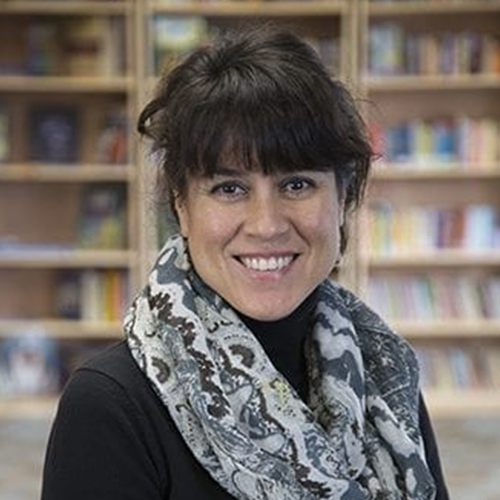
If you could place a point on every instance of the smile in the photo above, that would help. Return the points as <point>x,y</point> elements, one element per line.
<point>266,264</point>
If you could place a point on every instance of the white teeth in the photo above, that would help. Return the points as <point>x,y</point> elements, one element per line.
<point>261,264</point>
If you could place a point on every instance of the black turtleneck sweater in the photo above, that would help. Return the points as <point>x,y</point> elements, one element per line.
<point>113,439</point>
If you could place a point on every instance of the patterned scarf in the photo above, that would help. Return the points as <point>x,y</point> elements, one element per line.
<point>358,437</point>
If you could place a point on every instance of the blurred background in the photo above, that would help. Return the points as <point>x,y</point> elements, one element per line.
<point>80,225</point>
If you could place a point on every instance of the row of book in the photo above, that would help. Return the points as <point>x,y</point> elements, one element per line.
<point>424,297</point>
<point>84,45</point>
<point>174,37</point>
<point>425,143</point>
<point>92,295</point>
<point>34,364</point>
<point>423,229</point>
<point>466,367</point>
<point>393,50</point>
<point>55,135</point>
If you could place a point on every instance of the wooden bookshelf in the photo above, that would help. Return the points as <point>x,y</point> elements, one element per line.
<point>398,97</point>
<point>42,200</point>
<point>405,98</point>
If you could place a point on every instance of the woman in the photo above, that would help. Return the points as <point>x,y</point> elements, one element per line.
<point>247,373</point>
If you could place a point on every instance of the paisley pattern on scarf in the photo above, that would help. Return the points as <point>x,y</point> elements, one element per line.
<point>356,439</point>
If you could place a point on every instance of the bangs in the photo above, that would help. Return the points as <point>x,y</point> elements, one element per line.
<point>270,133</point>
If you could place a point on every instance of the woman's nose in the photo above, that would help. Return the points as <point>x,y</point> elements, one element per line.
<point>266,217</point>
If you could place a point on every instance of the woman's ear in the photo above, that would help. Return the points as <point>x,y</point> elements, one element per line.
<point>182,215</point>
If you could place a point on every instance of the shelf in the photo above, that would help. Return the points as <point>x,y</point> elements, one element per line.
<point>412,83</point>
<point>432,7</point>
<point>28,408</point>
<point>463,403</point>
<point>443,329</point>
<point>66,84</point>
<point>63,329</point>
<point>443,258</point>
<point>251,8</point>
<point>64,8</point>
<point>55,259</point>
<point>449,172</point>
<point>34,172</point>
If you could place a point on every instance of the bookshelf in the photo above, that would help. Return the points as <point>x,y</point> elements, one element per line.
<point>427,68</point>
<point>68,188</point>
<point>39,258</point>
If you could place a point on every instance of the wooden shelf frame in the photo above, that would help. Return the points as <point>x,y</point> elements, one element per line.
<point>67,84</point>
<point>67,259</point>
<point>430,7</point>
<point>442,259</point>
<point>34,172</point>
<point>63,329</point>
<point>250,8</point>
<point>447,172</point>
<point>461,403</point>
<point>59,8</point>
<point>438,82</point>
<point>463,328</point>
<point>24,408</point>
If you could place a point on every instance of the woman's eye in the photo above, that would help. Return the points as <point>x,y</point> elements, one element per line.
<point>228,190</point>
<point>298,185</point>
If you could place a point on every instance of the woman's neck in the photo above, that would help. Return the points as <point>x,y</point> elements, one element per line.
<point>283,341</point>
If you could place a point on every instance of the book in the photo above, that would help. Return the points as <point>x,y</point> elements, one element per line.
<point>68,295</point>
<point>103,217</point>
<point>111,145</point>
<point>94,46</point>
<point>4,135</point>
<point>54,135</point>
<point>175,37</point>
<point>29,365</point>
<point>43,56</point>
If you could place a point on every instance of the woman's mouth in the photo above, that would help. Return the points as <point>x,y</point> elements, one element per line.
<point>269,264</point>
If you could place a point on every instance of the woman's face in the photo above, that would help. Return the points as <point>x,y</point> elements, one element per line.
<point>263,243</point>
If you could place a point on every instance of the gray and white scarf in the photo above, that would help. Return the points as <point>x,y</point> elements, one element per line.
<point>358,437</point>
